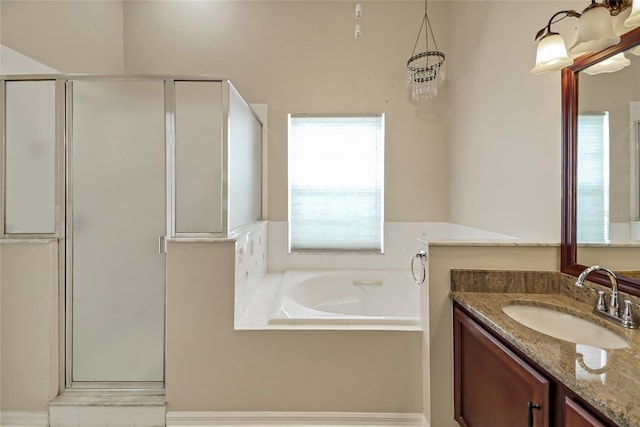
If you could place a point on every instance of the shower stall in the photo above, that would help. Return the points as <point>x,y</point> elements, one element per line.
<point>112,167</point>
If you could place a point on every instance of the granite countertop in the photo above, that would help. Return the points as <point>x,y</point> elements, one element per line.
<point>605,378</point>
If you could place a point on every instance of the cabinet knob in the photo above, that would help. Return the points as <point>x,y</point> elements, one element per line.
<point>530,407</point>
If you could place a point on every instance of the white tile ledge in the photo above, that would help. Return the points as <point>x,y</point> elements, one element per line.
<point>214,238</point>
<point>109,398</point>
<point>206,419</point>
<point>19,241</point>
<point>492,243</point>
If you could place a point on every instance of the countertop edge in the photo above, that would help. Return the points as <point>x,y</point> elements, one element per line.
<point>602,403</point>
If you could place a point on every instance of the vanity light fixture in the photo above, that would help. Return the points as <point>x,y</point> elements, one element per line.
<point>595,32</point>
<point>634,17</point>
<point>552,53</point>
<point>609,65</point>
<point>425,70</point>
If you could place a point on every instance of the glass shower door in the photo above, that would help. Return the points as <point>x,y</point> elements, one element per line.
<point>117,214</point>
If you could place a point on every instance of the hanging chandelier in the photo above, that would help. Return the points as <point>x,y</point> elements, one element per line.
<point>425,70</point>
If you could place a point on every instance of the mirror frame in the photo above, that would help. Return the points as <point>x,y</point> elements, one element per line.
<point>568,242</point>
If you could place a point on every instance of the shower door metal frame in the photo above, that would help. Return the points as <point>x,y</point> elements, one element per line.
<point>64,202</point>
<point>66,262</point>
<point>171,139</point>
<point>69,383</point>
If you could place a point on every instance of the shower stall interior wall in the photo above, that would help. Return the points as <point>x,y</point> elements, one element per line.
<point>112,167</point>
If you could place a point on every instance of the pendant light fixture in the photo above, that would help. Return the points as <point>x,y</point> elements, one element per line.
<point>425,70</point>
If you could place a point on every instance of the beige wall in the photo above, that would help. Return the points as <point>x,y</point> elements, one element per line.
<point>301,57</point>
<point>439,390</point>
<point>211,367</point>
<point>28,326</point>
<point>69,36</point>
<point>490,159</point>
<point>504,136</point>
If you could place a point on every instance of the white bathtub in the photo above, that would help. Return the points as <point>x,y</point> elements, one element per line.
<point>369,299</point>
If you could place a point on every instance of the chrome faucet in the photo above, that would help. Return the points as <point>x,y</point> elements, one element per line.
<point>613,302</point>
<point>613,311</point>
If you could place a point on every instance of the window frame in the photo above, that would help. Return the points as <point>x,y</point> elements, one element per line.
<point>380,168</point>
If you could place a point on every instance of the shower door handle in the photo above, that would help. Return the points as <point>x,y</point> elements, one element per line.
<point>162,244</point>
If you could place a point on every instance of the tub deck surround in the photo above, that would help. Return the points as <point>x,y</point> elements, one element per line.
<point>363,299</point>
<point>605,378</point>
<point>264,310</point>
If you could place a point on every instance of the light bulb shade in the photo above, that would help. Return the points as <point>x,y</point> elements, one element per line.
<point>551,54</point>
<point>635,50</point>
<point>595,31</point>
<point>609,65</point>
<point>619,22</point>
<point>634,18</point>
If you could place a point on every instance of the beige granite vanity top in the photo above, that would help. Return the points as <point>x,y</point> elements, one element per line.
<point>607,379</point>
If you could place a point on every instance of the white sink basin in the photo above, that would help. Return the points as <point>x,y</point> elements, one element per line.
<point>564,326</point>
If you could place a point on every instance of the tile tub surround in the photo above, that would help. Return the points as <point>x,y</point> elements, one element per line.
<point>613,390</point>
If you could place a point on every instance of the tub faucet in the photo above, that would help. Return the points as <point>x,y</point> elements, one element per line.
<point>613,311</point>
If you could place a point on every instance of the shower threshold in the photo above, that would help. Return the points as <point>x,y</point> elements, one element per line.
<point>139,408</point>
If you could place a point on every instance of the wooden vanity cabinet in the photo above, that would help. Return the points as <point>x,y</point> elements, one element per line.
<point>576,416</point>
<point>496,386</point>
<point>493,386</point>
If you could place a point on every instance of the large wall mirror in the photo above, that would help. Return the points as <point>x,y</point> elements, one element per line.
<point>601,164</point>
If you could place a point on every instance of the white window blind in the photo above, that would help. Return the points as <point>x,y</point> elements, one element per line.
<point>336,182</point>
<point>593,178</point>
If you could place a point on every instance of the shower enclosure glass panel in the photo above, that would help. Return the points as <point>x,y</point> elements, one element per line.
<point>198,157</point>
<point>245,163</point>
<point>30,149</point>
<point>117,175</point>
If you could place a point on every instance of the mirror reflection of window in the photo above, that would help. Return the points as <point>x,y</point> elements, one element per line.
<point>593,177</point>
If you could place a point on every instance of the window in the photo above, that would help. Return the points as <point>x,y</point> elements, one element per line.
<point>336,182</point>
<point>593,177</point>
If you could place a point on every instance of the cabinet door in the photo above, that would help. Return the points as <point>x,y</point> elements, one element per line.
<point>576,416</point>
<point>493,386</point>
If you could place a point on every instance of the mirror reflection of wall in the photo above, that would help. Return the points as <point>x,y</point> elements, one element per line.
<point>608,156</point>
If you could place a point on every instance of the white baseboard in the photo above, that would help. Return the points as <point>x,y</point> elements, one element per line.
<point>23,419</point>
<point>208,419</point>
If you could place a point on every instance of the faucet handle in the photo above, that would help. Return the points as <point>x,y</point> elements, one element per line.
<point>600,305</point>
<point>613,303</point>
<point>627,314</point>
